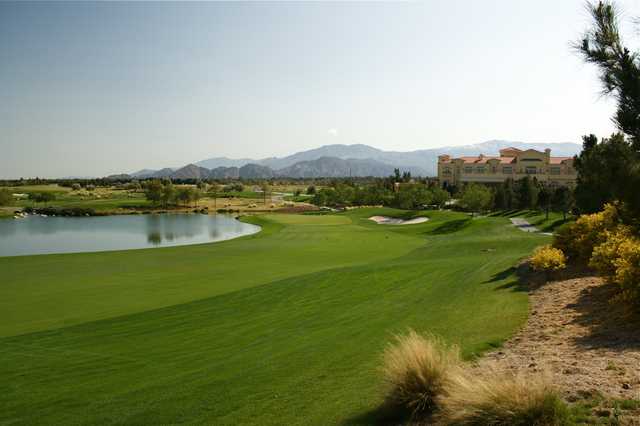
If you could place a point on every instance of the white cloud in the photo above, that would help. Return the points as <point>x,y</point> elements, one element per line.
<point>333,132</point>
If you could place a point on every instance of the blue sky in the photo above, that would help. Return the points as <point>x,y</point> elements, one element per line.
<point>99,88</point>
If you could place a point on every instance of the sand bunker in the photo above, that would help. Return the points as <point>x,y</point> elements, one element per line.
<point>384,220</point>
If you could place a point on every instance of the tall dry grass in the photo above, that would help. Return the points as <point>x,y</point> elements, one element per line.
<point>417,372</point>
<point>492,397</point>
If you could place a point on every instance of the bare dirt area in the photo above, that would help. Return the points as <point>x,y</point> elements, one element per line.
<point>586,343</point>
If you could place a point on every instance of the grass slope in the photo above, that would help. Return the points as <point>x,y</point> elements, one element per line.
<point>284,327</point>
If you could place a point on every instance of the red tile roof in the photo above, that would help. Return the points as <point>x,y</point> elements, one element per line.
<point>485,159</point>
<point>503,160</point>
<point>558,160</point>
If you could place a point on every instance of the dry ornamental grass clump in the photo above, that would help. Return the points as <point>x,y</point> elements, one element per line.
<point>426,380</point>
<point>417,371</point>
<point>492,397</point>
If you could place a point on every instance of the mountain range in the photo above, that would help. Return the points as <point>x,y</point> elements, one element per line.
<point>343,160</point>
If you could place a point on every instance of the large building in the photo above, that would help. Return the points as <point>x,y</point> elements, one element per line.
<point>512,163</point>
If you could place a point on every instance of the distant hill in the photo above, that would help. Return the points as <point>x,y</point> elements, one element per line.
<point>225,173</point>
<point>256,171</point>
<point>356,160</point>
<point>213,163</point>
<point>336,167</point>
<point>191,171</point>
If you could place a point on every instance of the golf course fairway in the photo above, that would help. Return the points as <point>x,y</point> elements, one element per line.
<point>286,326</point>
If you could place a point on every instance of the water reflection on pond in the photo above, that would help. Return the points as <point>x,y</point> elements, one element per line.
<point>39,235</point>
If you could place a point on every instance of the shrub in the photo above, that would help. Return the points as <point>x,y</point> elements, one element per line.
<point>417,371</point>
<point>6,198</point>
<point>577,240</point>
<point>627,273</point>
<point>42,197</point>
<point>604,255</point>
<point>617,259</point>
<point>547,258</point>
<point>503,399</point>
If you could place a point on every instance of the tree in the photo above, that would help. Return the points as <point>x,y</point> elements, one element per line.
<point>76,187</point>
<point>168,194</point>
<point>196,195</point>
<point>265,191</point>
<point>527,193</point>
<point>606,172</point>
<point>440,196</point>
<point>311,190</point>
<point>6,198</point>
<point>153,193</point>
<point>184,195</point>
<point>620,76</point>
<point>476,197</point>
<point>562,200</point>
<point>214,189</point>
<point>544,200</point>
<point>619,67</point>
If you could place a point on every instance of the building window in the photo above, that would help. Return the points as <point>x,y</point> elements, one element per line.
<point>531,170</point>
<point>480,169</point>
<point>530,159</point>
<point>468,169</point>
<point>554,170</point>
<point>507,169</point>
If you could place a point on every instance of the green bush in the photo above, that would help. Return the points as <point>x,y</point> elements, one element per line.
<point>6,198</point>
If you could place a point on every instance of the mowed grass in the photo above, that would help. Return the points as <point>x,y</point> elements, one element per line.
<point>283,327</point>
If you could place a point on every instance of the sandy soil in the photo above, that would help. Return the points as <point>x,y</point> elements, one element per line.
<point>384,220</point>
<point>589,344</point>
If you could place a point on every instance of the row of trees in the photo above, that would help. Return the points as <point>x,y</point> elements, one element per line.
<point>407,196</point>
<point>166,194</point>
<point>525,193</point>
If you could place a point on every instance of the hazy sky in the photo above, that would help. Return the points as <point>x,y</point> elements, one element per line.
<point>99,88</point>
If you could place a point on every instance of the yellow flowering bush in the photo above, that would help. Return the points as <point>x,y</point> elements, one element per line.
<point>606,253</point>
<point>547,258</point>
<point>599,239</point>
<point>627,273</point>
<point>577,240</point>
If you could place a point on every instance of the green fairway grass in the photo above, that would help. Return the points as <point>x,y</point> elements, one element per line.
<point>282,327</point>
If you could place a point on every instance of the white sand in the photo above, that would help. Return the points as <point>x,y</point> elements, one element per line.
<point>384,220</point>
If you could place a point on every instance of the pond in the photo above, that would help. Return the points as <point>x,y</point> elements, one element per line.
<point>35,234</point>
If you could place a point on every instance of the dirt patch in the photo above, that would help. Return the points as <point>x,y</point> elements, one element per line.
<point>588,344</point>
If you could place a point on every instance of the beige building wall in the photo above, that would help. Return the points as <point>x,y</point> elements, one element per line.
<point>512,163</point>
